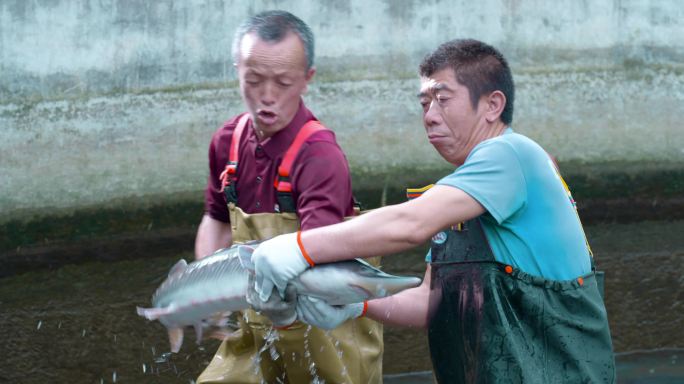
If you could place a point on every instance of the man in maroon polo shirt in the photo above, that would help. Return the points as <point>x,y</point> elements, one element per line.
<point>273,53</point>
<point>320,178</point>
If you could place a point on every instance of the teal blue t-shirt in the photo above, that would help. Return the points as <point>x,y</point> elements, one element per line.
<point>531,222</point>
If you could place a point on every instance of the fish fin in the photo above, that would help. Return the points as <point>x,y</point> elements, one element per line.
<point>365,293</point>
<point>198,331</point>
<point>220,319</point>
<point>223,334</point>
<point>175,339</point>
<point>178,267</point>
<point>153,313</point>
<point>245,256</point>
<point>219,326</point>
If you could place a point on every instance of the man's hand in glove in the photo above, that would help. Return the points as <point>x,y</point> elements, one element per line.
<point>320,314</point>
<point>282,312</point>
<point>276,262</point>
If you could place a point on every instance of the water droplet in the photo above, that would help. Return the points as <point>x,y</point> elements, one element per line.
<point>144,368</point>
<point>40,323</point>
<point>114,377</point>
<point>274,354</point>
<point>83,333</point>
<point>163,358</point>
<point>59,326</point>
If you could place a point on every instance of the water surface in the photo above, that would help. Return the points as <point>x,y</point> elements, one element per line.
<point>77,324</point>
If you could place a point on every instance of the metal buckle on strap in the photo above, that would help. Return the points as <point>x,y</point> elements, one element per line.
<point>284,186</point>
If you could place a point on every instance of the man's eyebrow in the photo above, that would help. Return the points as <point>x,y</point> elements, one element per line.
<point>441,87</point>
<point>433,89</point>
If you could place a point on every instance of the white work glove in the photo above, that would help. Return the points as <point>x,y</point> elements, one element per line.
<point>282,313</point>
<point>276,262</point>
<point>320,314</point>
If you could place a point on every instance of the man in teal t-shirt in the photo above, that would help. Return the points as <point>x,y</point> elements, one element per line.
<point>509,294</point>
<point>531,223</point>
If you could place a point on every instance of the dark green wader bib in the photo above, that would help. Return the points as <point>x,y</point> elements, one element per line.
<point>496,324</point>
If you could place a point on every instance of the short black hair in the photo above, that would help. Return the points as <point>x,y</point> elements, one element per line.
<point>477,66</point>
<point>273,26</point>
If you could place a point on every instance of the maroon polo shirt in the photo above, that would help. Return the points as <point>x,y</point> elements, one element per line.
<point>321,184</point>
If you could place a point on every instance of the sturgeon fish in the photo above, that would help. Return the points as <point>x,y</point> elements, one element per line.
<point>193,294</point>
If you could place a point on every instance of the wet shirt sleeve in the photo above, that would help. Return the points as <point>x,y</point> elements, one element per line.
<point>492,175</point>
<point>322,183</point>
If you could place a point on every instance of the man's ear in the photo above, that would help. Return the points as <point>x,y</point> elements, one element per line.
<point>496,102</point>
<point>309,76</point>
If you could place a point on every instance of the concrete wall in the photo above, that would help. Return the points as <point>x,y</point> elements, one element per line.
<point>105,101</point>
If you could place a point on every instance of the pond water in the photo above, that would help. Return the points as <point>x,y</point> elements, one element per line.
<point>77,323</point>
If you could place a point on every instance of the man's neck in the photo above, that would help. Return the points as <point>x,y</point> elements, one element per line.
<point>496,129</point>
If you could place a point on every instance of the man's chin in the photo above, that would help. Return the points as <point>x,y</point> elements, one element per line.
<point>266,131</point>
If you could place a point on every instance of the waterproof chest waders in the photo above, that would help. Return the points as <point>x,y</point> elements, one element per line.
<point>351,353</point>
<point>497,324</point>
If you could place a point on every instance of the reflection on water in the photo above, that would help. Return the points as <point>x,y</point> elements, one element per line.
<point>643,367</point>
<point>77,324</point>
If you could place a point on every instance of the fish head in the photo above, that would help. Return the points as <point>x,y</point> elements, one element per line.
<point>377,282</point>
<point>351,281</point>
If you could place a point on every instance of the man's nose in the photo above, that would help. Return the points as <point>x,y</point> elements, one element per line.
<point>268,94</point>
<point>432,115</point>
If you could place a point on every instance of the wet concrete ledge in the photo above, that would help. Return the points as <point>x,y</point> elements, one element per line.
<point>138,227</point>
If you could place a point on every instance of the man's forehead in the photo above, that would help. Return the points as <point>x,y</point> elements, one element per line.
<point>289,44</point>
<point>286,55</point>
<point>430,84</point>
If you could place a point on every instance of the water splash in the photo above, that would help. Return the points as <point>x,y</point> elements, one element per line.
<point>307,354</point>
<point>339,350</point>
<point>274,354</point>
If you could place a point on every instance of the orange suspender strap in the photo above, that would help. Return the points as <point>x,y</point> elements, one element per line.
<point>282,181</point>
<point>237,134</point>
<point>233,154</point>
